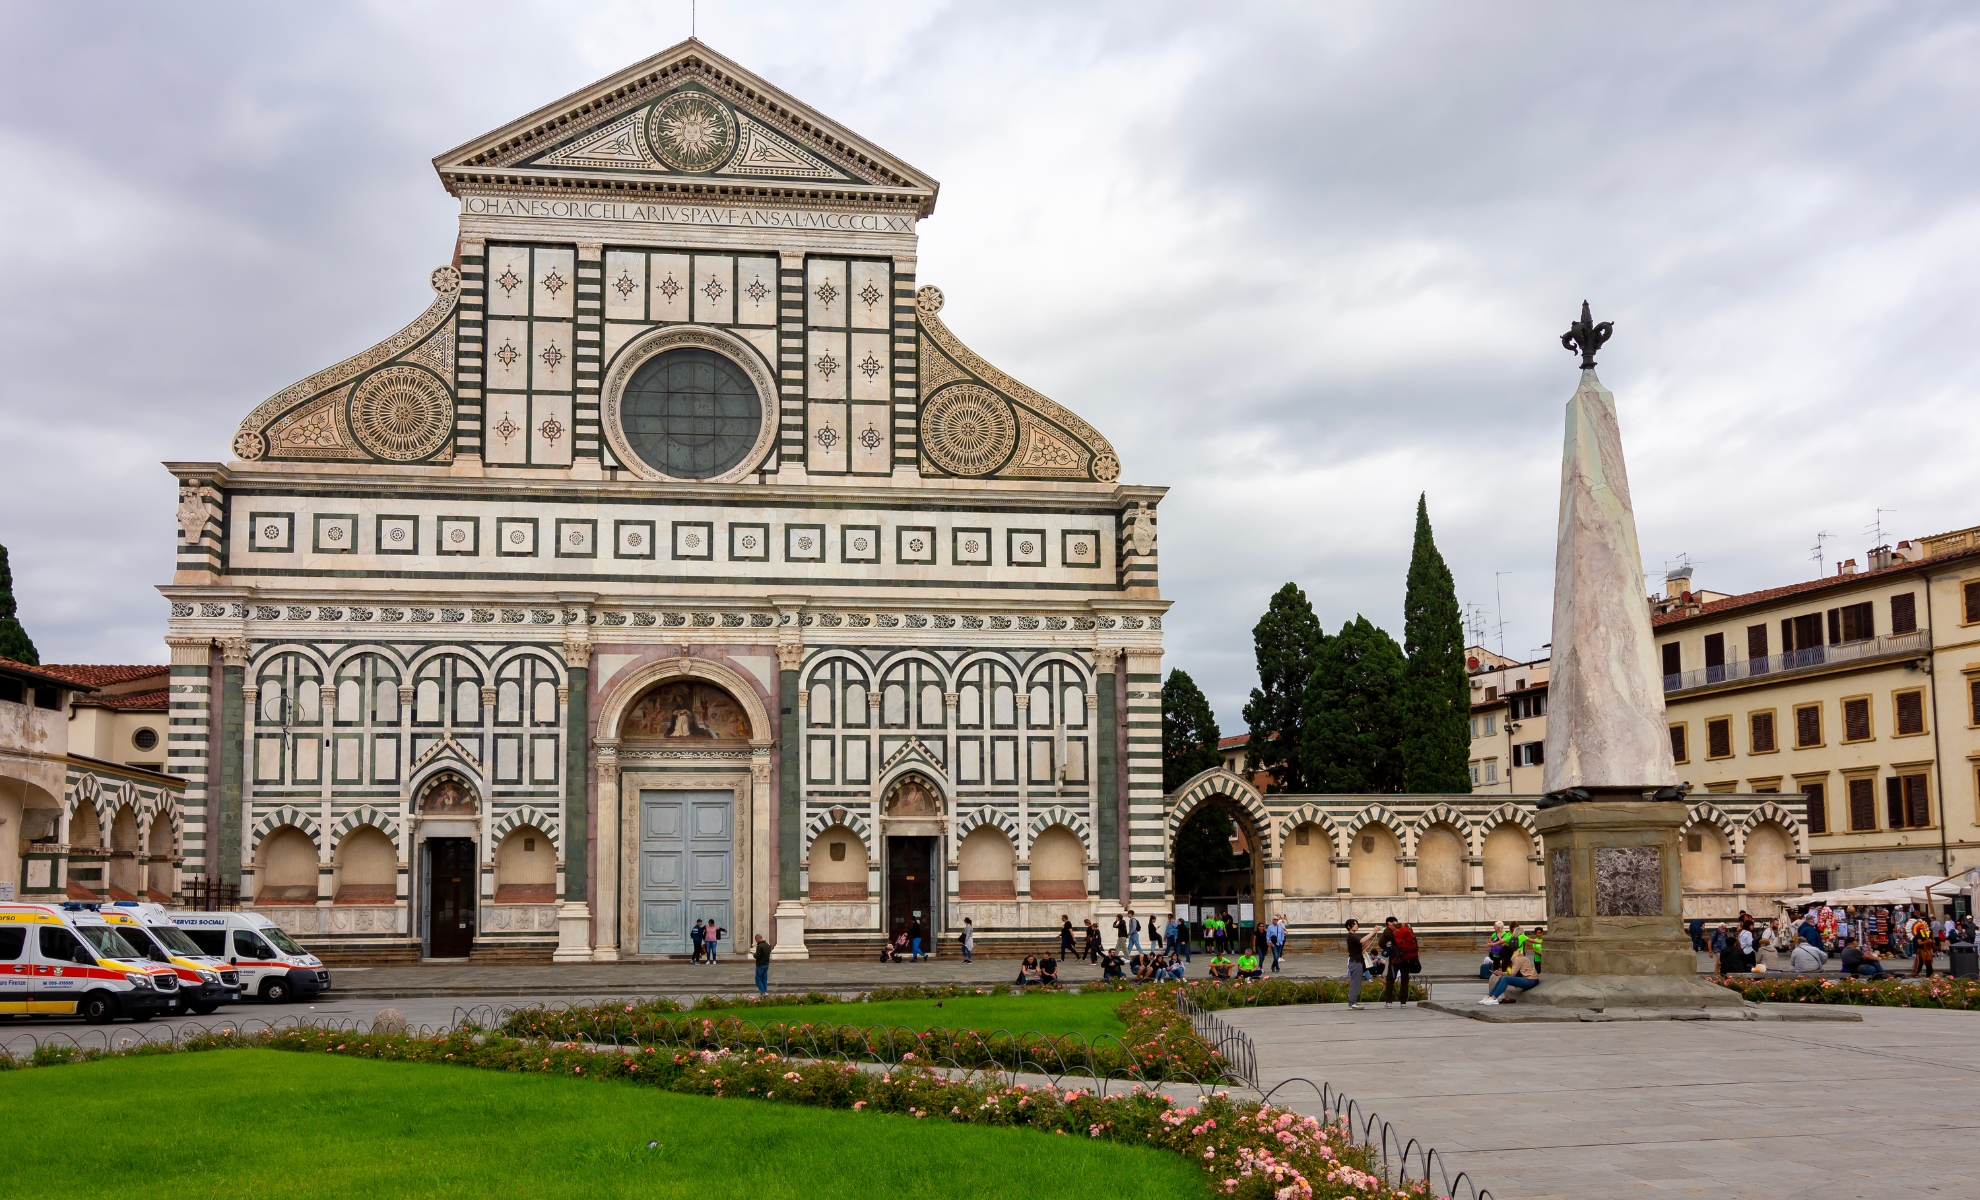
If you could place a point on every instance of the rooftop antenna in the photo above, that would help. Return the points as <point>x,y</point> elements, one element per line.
<point>694,17</point>
<point>1499,599</point>
<point>1876,530</point>
<point>1821,568</point>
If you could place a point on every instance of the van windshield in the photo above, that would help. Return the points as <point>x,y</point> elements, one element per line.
<point>283,941</point>
<point>107,942</point>
<point>172,939</point>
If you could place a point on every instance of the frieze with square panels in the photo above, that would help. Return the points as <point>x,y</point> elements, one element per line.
<point>609,615</point>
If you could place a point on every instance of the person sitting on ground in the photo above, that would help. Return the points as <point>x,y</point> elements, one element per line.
<point>1150,966</point>
<point>1247,966</point>
<point>1028,970</point>
<point>1048,972</point>
<point>1220,967</point>
<point>1856,962</point>
<point>1519,973</point>
<point>1110,965</point>
<point>1174,970</point>
<point>1731,962</point>
<point>1807,958</point>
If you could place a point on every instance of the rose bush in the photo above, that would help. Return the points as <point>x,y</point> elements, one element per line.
<point>1936,991</point>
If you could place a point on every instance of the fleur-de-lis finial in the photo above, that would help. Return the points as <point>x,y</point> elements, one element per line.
<point>1586,337</point>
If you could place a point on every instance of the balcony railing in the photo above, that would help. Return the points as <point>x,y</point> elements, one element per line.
<point>1892,646</point>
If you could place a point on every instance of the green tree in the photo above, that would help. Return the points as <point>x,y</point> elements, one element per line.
<point>1189,731</point>
<point>1203,853</point>
<point>1436,692</point>
<point>1287,639</point>
<point>14,641</point>
<point>1352,730</point>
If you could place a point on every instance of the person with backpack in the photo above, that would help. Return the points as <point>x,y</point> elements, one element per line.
<point>1134,932</point>
<point>1399,941</point>
<point>968,940</point>
<point>694,940</point>
<point>1120,934</point>
<point>1357,956</point>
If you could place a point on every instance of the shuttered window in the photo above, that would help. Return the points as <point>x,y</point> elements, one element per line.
<point>1761,727</point>
<point>1671,661</point>
<point>1856,720</point>
<point>1894,802</point>
<point>1679,753</point>
<point>1818,808</point>
<point>1858,622</point>
<point>1862,804</point>
<point>1808,725</point>
<point>1756,649</point>
<point>1973,694</point>
<point>1904,613</point>
<point>1917,802</point>
<point>1972,593</point>
<point>1719,738</point>
<point>1910,712</point>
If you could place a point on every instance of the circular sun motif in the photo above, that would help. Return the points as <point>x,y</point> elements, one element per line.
<point>398,533</point>
<point>401,414</point>
<point>577,537</point>
<point>516,537</point>
<point>634,540</point>
<point>859,544</point>
<point>459,535</point>
<point>335,533</point>
<point>271,532</point>
<point>692,131</point>
<point>693,541</point>
<point>1026,547</point>
<point>968,430</point>
<point>917,545</point>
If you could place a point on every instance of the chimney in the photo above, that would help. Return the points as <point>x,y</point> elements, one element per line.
<point>1846,567</point>
<point>1879,558</point>
<point>1677,583</point>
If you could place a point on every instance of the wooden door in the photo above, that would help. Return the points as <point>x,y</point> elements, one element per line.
<point>451,877</point>
<point>911,888</point>
<point>686,867</point>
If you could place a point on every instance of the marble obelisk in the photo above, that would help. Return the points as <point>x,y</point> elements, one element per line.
<point>1610,822</point>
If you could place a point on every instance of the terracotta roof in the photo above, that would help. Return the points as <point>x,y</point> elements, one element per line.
<point>41,675</point>
<point>1231,743</point>
<point>157,701</point>
<point>104,675</point>
<point>1806,587</point>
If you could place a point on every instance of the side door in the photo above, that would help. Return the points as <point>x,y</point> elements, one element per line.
<point>256,957</point>
<point>15,969</point>
<point>62,972</point>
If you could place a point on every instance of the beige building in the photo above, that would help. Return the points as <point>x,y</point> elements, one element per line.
<point>1508,722</point>
<point>1860,690</point>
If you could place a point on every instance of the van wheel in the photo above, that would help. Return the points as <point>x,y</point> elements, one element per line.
<point>98,1008</point>
<point>203,1009</point>
<point>275,991</point>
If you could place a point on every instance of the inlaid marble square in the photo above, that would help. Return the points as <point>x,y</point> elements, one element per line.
<point>515,537</point>
<point>871,302</point>
<point>459,535</point>
<point>694,540</point>
<point>1560,883</point>
<point>972,548</point>
<point>334,533</point>
<point>1079,547</point>
<point>914,544</point>
<point>1024,547</point>
<point>1629,881</point>
<point>804,543</point>
<point>577,538</point>
<point>271,533</point>
<point>756,291</point>
<point>859,543</point>
<point>397,534</point>
<point>749,542</point>
<point>633,539</point>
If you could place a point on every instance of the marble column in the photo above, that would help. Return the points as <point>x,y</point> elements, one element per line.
<point>605,873</point>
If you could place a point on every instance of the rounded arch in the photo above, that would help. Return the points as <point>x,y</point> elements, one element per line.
<point>821,821</point>
<point>287,814</point>
<point>347,654</point>
<point>1052,658</point>
<point>1377,814</point>
<point>1510,857</point>
<point>428,655</point>
<point>1710,814</point>
<point>988,814</point>
<point>653,343</point>
<point>1310,814</point>
<point>1220,783</point>
<point>542,820</point>
<point>1073,819</point>
<point>286,858</point>
<point>896,788</point>
<point>268,652</point>
<point>1442,814</point>
<point>911,759</point>
<point>448,793</point>
<point>364,866</point>
<point>641,679</point>
<point>1786,819</point>
<point>385,820</point>
<point>1508,812</point>
<point>524,872</point>
<point>1056,856</point>
<point>813,667</point>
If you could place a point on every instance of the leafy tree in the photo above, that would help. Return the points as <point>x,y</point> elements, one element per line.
<point>1189,731</point>
<point>1352,737</point>
<point>1287,639</point>
<point>1436,692</point>
<point>14,641</point>
<point>1203,852</point>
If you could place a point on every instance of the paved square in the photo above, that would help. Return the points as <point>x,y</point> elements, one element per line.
<point>1757,1110</point>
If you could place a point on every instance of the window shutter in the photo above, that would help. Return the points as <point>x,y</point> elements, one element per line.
<point>1808,726</point>
<point>1762,732</point>
<point>1911,712</point>
<point>1756,648</point>
<point>1862,804</point>
<point>1677,732</point>
<point>1715,650</point>
<point>1835,626</point>
<point>1671,661</point>
<point>1973,601</point>
<point>1904,613</point>
<point>1894,802</point>
<point>1973,690</point>
<point>1917,802</point>
<point>1718,739</point>
<point>1818,808</point>
<point>1856,720</point>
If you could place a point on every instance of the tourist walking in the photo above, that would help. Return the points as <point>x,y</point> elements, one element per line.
<point>762,952</point>
<point>914,941</point>
<point>1134,932</point>
<point>1357,960</point>
<point>1169,932</point>
<point>694,940</point>
<point>1092,941</point>
<point>1925,944</point>
<point>1275,937</point>
<point>1120,933</point>
<point>1065,936</point>
<point>1399,941</point>
<point>1183,937</point>
<point>968,940</point>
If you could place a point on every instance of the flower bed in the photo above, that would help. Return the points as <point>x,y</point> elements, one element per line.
<point>1158,1045</point>
<point>1250,1151</point>
<point>1211,995</point>
<point>1936,991</point>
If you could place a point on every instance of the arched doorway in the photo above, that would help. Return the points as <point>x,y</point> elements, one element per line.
<point>448,811</point>
<point>1217,862</point>
<point>911,814</point>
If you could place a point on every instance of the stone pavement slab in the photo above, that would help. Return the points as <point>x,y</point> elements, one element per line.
<point>1747,1109</point>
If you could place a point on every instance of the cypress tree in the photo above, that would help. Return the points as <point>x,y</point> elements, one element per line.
<point>1189,731</point>
<point>14,641</point>
<point>1286,638</point>
<point>1352,739</point>
<point>1436,692</point>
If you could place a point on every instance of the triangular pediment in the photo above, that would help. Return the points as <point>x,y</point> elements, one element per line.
<point>684,117</point>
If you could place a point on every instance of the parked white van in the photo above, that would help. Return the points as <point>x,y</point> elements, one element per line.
<point>205,982</point>
<point>271,964</point>
<point>59,960</point>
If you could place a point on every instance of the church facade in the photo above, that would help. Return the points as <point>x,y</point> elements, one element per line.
<point>678,563</point>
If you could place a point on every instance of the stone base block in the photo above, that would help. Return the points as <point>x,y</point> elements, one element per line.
<point>790,933</point>
<point>1603,992</point>
<point>573,932</point>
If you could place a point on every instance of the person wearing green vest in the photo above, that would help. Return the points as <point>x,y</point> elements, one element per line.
<point>1533,945</point>
<point>1248,966</point>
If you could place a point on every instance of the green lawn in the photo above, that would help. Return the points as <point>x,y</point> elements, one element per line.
<point>1090,1013</point>
<point>265,1122</point>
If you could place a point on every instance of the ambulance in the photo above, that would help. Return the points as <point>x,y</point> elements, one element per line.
<point>63,960</point>
<point>204,981</point>
<point>271,964</point>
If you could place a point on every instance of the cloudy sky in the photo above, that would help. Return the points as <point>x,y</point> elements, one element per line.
<point>1300,262</point>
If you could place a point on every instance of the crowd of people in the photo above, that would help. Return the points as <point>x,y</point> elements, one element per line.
<point>1162,949</point>
<point>1861,940</point>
